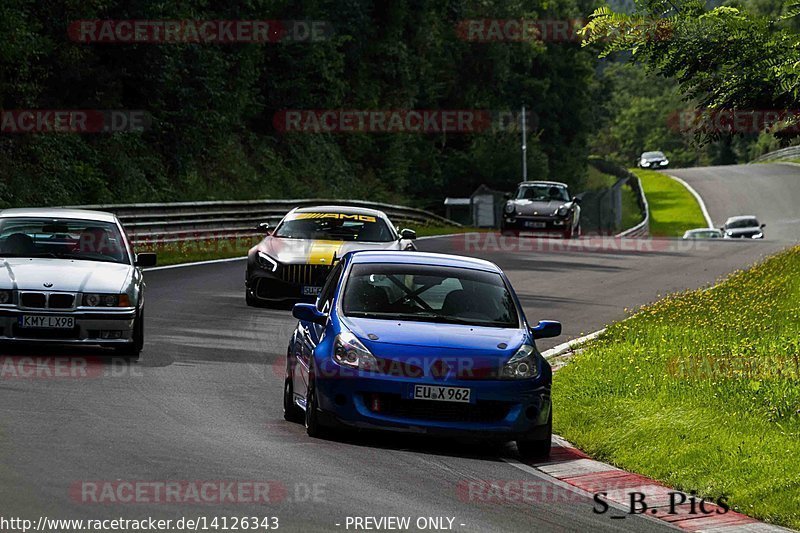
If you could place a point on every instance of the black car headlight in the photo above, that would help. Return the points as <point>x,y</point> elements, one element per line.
<point>509,207</point>
<point>349,351</point>
<point>267,262</point>
<point>522,365</point>
<point>106,300</point>
<point>6,297</point>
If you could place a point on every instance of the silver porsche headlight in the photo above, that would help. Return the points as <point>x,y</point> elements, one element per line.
<point>267,262</point>
<point>562,211</point>
<point>522,364</point>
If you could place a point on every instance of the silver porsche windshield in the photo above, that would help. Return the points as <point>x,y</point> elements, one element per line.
<point>87,240</point>
<point>335,227</point>
<point>543,192</point>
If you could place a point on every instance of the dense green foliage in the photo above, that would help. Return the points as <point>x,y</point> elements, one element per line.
<point>700,390</point>
<point>708,59</point>
<point>212,106</point>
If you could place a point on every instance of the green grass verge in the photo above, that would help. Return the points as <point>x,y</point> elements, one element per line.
<point>597,180</point>
<point>207,250</point>
<point>673,209</point>
<point>700,390</point>
<point>204,250</point>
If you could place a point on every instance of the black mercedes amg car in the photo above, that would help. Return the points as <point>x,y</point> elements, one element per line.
<point>542,207</point>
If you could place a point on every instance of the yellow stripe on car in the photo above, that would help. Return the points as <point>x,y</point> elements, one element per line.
<point>322,252</point>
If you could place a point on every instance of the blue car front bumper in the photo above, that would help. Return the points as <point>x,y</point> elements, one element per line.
<point>498,408</point>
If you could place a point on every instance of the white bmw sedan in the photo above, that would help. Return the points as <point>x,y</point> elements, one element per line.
<point>69,276</point>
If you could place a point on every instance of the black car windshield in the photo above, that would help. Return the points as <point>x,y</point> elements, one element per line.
<point>88,240</point>
<point>335,227</point>
<point>429,294</point>
<point>543,192</point>
<point>743,223</point>
<point>653,155</point>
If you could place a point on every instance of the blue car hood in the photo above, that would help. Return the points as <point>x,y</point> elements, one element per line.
<point>424,344</point>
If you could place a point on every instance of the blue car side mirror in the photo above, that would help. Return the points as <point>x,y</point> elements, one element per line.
<point>546,329</point>
<point>309,313</point>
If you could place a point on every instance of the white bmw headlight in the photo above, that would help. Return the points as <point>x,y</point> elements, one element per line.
<point>522,364</point>
<point>349,351</point>
<point>665,162</point>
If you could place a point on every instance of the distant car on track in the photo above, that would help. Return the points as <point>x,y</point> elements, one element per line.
<point>420,343</point>
<point>542,207</point>
<point>743,227</point>
<point>653,160</point>
<point>69,276</point>
<point>703,233</point>
<point>293,260</point>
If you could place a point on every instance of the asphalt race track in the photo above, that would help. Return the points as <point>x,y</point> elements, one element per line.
<point>769,191</point>
<point>204,401</point>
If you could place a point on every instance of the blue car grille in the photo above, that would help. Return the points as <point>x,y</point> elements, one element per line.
<point>481,411</point>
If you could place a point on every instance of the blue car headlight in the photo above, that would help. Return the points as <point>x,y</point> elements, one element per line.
<point>522,364</point>
<point>267,262</point>
<point>349,351</point>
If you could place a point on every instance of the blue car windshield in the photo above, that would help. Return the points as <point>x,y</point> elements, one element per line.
<point>426,293</point>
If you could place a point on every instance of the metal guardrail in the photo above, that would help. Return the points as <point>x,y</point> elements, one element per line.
<point>642,229</point>
<point>189,221</point>
<point>792,152</point>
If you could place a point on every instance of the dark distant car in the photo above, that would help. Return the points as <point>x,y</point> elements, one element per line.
<point>542,207</point>
<point>293,260</point>
<point>703,233</point>
<point>743,227</point>
<point>653,160</point>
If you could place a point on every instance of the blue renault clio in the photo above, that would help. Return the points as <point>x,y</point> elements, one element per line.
<point>420,343</point>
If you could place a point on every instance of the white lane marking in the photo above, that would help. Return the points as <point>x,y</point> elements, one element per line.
<point>697,197</point>
<point>571,345</point>
<point>196,263</point>
<point>445,235</point>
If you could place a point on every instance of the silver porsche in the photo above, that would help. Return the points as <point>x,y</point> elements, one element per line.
<point>70,276</point>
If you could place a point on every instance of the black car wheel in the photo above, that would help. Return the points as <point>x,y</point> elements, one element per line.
<point>538,448</point>
<point>291,412</point>
<point>314,428</point>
